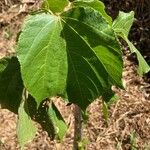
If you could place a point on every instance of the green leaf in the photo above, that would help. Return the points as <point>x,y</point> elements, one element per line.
<point>105,111</point>
<point>107,95</point>
<point>11,85</point>
<point>76,52</point>
<point>123,22</point>
<point>113,100</point>
<point>95,4</point>
<point>143,66</point>
<point>44,120</point>
<point>121,26</point>
<point>94,55</point>
<point>26,130</point>
<point>55,5</point>
<point>58,121</point>
<point>42,55</point>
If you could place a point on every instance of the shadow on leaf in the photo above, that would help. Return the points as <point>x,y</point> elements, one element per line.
<point>11,85</point>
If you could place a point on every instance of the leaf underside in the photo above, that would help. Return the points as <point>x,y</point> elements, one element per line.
<point>76,52</point>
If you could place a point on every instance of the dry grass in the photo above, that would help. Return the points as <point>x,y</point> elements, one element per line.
<point>129,121</point>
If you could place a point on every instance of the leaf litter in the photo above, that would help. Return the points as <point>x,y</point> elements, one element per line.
<point>129,119</point>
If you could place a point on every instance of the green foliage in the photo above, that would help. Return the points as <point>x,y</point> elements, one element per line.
<point>11,85</point>
<point>42,56</point>
<point>74,53</point>
<point>51,60</point>
<point>89,70</point>
<point>55,5</point>
<point>26,130</point>
<point>122,26</point>
<point>95,4</point>
<point>143,66</point>
<point>58,121</point>
<point>105,111</point>
<point>123,23</point>
<point>82,144</point>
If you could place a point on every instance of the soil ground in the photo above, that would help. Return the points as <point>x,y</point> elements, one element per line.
<point>128,125</point>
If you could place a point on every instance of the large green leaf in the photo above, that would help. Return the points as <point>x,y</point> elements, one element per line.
<point>42,55</point>
<point>55,5</point>
<point>121,26</point>
<point>77,50</point>
<point>95,4</point>
<point>94,55</point>
<point>26,130</point>
<point>11,85</point>
<point>57,120</point>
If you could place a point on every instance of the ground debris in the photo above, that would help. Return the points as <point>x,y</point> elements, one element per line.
<point>129,120</point>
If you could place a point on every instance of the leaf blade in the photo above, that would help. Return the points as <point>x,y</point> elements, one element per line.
<point>55,5</point>
<point>11,85</point>
<point>25,129</point>
<point>143,67</point>
<point>89,71</point>
<point>121,26</point>
<point>58,121</point>
<point>42,58</point>
<point>95,4</point>
<point>123,22</point>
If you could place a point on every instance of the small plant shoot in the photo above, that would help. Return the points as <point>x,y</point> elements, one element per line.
<point>71,50</point>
